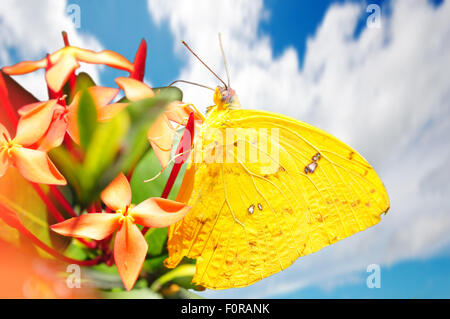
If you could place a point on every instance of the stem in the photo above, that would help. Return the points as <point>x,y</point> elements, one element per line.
<point>23,230</point>
<point>70,145</point>
<point>188,133</point>
<point>65,38</point>
<point>88,244</point>
<point>59,218</point>
<point>62,200</point>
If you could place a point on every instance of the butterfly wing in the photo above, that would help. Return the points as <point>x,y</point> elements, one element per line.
<point>251,219</point>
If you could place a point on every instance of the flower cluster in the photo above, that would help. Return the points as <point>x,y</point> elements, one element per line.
<point>107,221</point>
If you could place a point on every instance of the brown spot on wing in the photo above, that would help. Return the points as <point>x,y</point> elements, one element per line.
<point>356,203</point>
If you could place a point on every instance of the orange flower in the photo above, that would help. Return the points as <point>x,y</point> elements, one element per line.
<point>65,61</point>
<point>53,118</point>
<point>33,164</point>
<point>161,133</point>
<point>130,247</point>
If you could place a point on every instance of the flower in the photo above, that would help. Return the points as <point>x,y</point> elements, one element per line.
<point>161,133</point>
<point>130,247</point>
<point>65,61</point>
<point>53,118</point>
<point>33,164</point>
<point>102,97</point>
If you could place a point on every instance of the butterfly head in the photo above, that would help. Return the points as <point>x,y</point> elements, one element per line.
<point>226,98</point>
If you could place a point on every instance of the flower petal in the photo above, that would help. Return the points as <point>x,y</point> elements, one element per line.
<point>158,212</point>
<point>9,216</point>
<point>163,156</point>
<point>118,194</point>
<point>25,67</point>
<point>107,57</point>
<point>4,162</point>
<point>107,112</point>
<point>97,226</point>
<point>178,112</point>
<point>139,62</point>
<point>130,249</point>
<point>102,95</point>
<point>54,135</point>
<point>59,73</point>
<point>29,108</point>
<point>34,122</point>
<point>36,167</point>
<point>4,133</point>
<point>134,90</point>
<point>72,124</point>
<point>160,136</point>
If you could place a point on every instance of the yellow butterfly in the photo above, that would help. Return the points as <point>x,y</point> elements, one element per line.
<point>253,218</point>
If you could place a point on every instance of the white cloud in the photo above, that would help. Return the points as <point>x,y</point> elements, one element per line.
<point>31,29</point>
<point>386,93</point>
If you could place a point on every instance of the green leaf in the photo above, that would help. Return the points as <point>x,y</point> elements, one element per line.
<point>19,196</point>
<point>66,165</point>
<point>87,118</point>
<point>156,239</point>
<point>149,167</point>
<point>142,114</point>
<point>105,144</point>
<point>126,138</point>
<point>76,250</point>
<point>173,90</point>
<point>83,82</point>
<point>155,264</point>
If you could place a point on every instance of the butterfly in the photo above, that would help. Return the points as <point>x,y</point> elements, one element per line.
<point>253,218</point>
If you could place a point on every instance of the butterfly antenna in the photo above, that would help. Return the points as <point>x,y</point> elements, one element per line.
<point>224,59</point>
<point>192,83</point>
<point>190,50</point>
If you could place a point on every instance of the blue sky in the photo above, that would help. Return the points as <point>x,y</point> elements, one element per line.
<point>388,99</point>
